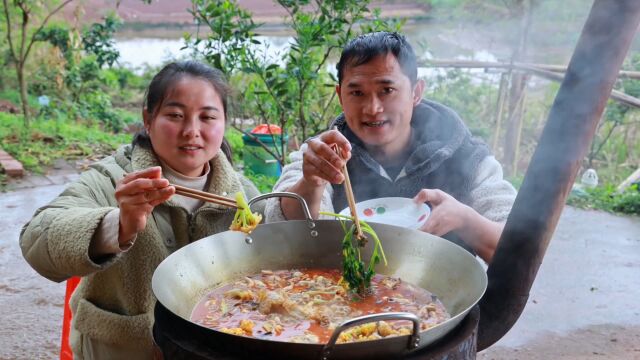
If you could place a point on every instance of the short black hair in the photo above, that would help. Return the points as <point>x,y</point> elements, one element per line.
<point>368,46</point>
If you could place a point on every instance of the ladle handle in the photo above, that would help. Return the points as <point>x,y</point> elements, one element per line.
<point>303,203</point>
<point>414,338</point>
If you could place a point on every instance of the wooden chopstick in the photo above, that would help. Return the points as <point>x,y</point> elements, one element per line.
<point>205,196</point>
<point>350,197</point>
<point>203,193</point>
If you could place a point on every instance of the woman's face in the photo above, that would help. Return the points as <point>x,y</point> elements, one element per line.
<point>187,130</point>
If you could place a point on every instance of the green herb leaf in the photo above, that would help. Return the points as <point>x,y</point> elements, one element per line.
<point>354,271</point>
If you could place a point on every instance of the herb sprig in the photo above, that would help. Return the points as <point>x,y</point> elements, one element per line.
<point>355,272</point>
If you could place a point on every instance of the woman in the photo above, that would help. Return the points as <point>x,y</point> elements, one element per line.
<point>121,219</point>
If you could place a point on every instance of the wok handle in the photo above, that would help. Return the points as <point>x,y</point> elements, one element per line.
<point>414,338</point>
<point>303,203</point>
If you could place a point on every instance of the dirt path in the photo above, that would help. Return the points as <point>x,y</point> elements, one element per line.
<point>584,304</point>
<point>175,12</point>
<point>31,306</point>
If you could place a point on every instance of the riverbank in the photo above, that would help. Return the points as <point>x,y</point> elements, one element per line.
<point>158,15</point>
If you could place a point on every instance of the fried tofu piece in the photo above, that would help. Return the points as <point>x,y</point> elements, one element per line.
<point>244,295</point>
<point>362,332</point>
<point>384,329</point>
<point>233,331</point>
<point>247,326</point>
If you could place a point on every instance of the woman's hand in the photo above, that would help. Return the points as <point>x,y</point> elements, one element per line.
<point>137,194</point>
<point>448,214</point>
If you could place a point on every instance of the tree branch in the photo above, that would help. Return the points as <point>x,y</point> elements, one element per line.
<point>8,18</point>
<point>324,58</point>
<point>269,90</point>
<point>293,20</point>
<point>266,121</point>
<point>605,139</point>
<point>255,138</point>
<point>23,36</point>
<point>326,107</point>
<point>44,22</point>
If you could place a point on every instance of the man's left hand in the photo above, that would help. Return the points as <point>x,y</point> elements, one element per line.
<point>447,213</point>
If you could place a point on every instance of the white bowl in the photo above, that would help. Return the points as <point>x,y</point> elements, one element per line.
<point>396,211</point>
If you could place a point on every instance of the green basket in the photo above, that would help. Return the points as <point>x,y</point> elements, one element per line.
<point>257,159</point>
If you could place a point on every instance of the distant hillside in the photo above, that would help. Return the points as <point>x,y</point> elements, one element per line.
<point>175,11</point>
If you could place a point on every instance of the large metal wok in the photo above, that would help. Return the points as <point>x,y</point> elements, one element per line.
<point>433,263</point>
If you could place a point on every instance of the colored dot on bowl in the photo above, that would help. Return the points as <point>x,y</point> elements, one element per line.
<point>381,210</point>
<point>422,217</point>
<point>368,212</point>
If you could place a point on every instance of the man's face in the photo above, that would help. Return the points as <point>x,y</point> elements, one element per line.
<point>378,99</point>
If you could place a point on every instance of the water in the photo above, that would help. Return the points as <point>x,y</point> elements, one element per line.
<point>139,52</point>
<point>458,41</point>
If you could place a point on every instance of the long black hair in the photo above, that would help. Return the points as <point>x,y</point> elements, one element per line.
<point>169,75</point>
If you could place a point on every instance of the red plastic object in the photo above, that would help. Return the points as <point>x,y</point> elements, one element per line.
<point>267,129</point>
<point>65,348</point>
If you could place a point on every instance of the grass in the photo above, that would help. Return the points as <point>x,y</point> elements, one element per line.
<point>47,140</point>
<point>3,182</point>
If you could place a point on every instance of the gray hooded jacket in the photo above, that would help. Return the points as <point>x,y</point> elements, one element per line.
<point>445,157</point>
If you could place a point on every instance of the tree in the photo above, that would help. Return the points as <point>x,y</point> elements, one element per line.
<point>98,40</point>
<point>615,116</point>
<point>20,46</point>
<point>294,90</point>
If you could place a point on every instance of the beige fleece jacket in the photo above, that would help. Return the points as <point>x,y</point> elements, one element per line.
<point>113,305</point>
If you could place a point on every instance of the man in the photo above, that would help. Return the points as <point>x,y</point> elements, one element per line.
<point>398,144</point>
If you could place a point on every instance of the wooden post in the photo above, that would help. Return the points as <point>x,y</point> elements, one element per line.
<point>518,134</point>
<point>572,122</point>
<point>502,94</point>
<point>514,131</point>
<point>516,94</point>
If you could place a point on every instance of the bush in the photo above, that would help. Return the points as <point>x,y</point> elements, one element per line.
<point>473,101</point>
<point>262,182</point>
<point>608,199</point>
<point>234,137</point>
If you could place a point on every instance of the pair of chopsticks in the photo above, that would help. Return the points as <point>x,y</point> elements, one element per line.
<point>349,190</point>
<point>205,196</point>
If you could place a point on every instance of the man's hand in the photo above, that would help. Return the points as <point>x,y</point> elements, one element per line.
<point>448,214</point>
<point>320,163</point>
<point>137,194</point>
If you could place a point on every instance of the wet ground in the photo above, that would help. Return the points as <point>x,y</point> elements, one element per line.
<point>583,305</point>
<point>585,302</point>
